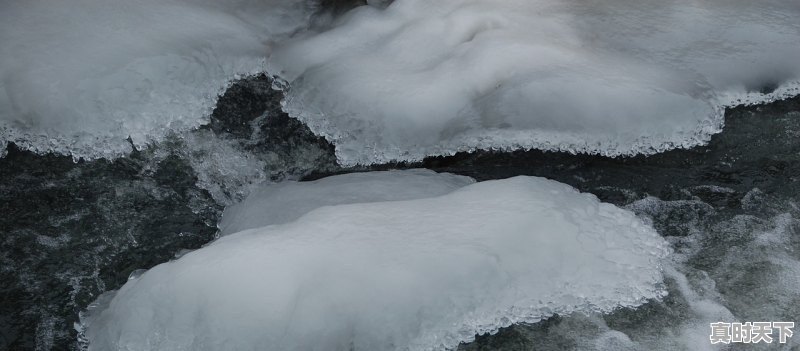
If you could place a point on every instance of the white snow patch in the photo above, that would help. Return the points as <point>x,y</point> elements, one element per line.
<point>611,77</point>
<point>80,76</point>
<point>278,203</point>
<point>419,274</point>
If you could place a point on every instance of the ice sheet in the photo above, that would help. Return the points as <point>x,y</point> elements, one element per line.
<point>278,203</point>
<point>611,77</point>
<point>418,274</point>
<point>81,76</point>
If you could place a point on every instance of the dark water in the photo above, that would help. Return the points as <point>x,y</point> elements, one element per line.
<point>713,203</point>
<point>70,231</point>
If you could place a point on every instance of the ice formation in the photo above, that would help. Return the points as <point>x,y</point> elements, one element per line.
<point>416,274</point>
<point>81,76</point>
<point>278,203</point>
<point>611,77</point>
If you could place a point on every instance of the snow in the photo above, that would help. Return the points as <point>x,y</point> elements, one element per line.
<point>417,274</point>
<point>610,77</point>
<point>81,76</point>
<point>398,82</point>
<point>278,203</point>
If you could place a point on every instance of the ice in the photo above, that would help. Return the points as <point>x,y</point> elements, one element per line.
<point>81,76</point>
<point>611,77</point>
<point>417,274</point>
<point>278,203</point>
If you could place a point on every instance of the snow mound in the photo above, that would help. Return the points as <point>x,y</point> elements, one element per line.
<point>610,77</point>
<point>419,274</point>
<point>278,203</point>
<point>81,76</point>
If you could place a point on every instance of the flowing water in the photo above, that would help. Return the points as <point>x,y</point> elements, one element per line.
<point>130,131</point>
<point>729,210</point>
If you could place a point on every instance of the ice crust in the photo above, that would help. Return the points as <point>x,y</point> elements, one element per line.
<point>420,274</point>
<point>278,203</point>
<point>81,76</point>
<point>611,77</point>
